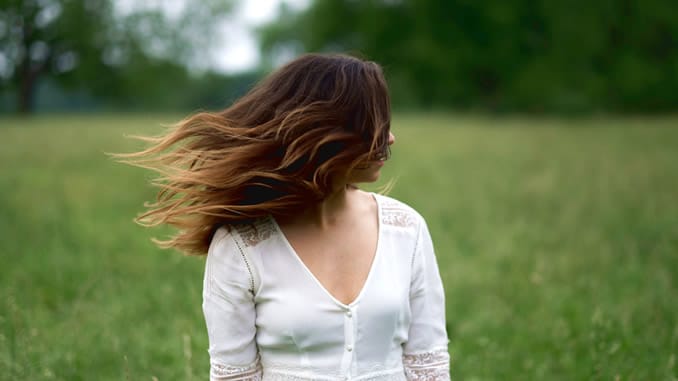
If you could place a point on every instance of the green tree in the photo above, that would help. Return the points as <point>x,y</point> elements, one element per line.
<point>515,55</point>
<point>88,44</point>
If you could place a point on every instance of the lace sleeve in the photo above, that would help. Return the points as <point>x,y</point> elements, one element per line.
<point>221,372</point>
<point>427,366</point>
<point>425,355</point>
<point>228,306</point>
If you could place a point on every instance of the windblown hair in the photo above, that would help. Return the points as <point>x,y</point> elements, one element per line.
<point>275,151</point>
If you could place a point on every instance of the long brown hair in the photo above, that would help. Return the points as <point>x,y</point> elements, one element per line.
<point>272,152</point>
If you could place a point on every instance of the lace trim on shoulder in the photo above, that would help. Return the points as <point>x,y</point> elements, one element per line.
<point>254,233</point>
<point>396,214</point>
<point>427,366</point>
<point>221,372</point>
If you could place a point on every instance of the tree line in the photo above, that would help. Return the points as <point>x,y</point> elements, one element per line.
<point>503,55</point>
<point>494,55</point>
<point>88,54</point>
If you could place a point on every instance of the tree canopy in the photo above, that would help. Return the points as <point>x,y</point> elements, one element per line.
<point>89,45</point>
<point>518,55</point>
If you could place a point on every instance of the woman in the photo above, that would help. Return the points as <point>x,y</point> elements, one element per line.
<point>307,277</point>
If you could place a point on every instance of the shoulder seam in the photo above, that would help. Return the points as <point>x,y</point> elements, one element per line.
<point>247,263</point>
<point>417,243</point>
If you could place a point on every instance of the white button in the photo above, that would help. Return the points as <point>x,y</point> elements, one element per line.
<point>349,313</point>
<point>349,348</point>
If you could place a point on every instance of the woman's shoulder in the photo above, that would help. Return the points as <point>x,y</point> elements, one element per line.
<point>238,245</point>
<point>397,213</point>
<point>255,232</point>
<point>222,237</point>
<point>228,261</point>
<point>246,234</point>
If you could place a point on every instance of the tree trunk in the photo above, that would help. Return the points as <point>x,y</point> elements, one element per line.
<point>26,88</point>
<point>26,75</point>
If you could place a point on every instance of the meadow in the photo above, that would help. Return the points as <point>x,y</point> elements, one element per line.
<point>557,241</point>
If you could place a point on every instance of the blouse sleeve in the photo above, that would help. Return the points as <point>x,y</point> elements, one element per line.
<point>425,355</point>
<point>228,306</point>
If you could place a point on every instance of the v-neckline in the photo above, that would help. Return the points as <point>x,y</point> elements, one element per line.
<point>375,257</point>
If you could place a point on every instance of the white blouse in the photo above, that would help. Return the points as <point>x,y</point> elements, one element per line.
<point>268,317</point>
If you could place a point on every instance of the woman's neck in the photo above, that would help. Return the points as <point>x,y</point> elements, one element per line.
<point>332,209</point>
<point>329,212</point>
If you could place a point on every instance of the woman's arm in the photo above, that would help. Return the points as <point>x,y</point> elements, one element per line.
<point>228,306</point>
<point>425,355</point>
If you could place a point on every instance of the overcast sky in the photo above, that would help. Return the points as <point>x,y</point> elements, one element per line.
<point>237,51</point>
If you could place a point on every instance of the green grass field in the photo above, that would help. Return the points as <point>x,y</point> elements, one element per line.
<point>557,240</point>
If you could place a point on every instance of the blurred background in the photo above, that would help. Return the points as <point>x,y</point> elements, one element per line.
<point>490,56</point>
<point>539,139</point>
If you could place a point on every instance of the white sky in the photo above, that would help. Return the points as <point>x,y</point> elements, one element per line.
<point>238,49</point>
